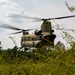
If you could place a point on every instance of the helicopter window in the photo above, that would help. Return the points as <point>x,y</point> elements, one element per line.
<point>33,39</point>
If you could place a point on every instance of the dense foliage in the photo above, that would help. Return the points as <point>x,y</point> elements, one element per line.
<point>37,62</point>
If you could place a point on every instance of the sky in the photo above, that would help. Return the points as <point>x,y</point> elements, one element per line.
<point>33,8</point>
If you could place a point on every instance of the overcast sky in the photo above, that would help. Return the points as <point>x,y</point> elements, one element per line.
<point>35,8</point>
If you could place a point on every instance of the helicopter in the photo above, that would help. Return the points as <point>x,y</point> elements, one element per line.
<point>43,37</point>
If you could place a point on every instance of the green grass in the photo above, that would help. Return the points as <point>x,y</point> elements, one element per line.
<point>39,62</point>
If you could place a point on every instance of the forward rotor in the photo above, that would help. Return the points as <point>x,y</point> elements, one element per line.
<point>14,28</point>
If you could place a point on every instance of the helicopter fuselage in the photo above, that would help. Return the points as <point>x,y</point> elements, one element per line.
<point>43,37</point>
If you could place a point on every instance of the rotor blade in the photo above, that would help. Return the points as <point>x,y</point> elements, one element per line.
<point>16,32</point>
<point>27,17</point>
<point>14,28</point>
<point>22,31</point>
<point>40,19</point>
<point>62,17</point>
<point>9,27</point>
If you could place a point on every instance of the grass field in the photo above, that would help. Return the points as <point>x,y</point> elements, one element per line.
<point>37,62</point>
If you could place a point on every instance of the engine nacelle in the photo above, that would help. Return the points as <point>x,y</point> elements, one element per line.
<point>38,32</point>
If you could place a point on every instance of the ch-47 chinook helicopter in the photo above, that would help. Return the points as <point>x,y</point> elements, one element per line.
<point>42,37</point>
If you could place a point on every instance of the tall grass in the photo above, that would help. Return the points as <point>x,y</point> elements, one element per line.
<point>37,62</point>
